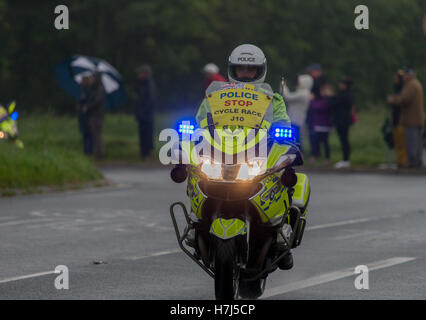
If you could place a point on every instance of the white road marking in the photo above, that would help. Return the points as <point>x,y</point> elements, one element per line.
<point>332,276</point>
<point>11,223</point>
<point>37,214</point>
<point>358,235</point>
<point>353,221</point>
<point>28,276</point>
<point>156,254</point>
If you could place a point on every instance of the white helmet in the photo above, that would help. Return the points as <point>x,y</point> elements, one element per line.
<point>211,68</point>
<point>247,55</point>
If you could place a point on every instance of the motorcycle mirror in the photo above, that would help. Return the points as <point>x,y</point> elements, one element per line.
<point>289,178</point>
<point>179,174</point>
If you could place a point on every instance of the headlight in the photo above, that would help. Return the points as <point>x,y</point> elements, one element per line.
<point>211,168</point>
<point>251,169</point>
<point>243,172</point>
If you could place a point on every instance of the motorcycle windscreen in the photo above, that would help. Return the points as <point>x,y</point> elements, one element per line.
<point>241,140</point>
<point>238,107</point>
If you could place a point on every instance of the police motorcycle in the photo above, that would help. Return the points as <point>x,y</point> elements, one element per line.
<point>248,206</point>
<point>8,125</point>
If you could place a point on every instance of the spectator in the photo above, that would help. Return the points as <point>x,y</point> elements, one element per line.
<point>144,110</point>
<point>315,70</point>
<point>211,73</point>
<point>410,102</point>
<point>398,130</point>
<point>94,107</point>
<point>298,103</point>
<point>83,121</point>
<point>321,122</point>
<point>341,107</point>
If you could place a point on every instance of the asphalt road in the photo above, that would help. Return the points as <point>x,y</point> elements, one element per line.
<point>118,242</point>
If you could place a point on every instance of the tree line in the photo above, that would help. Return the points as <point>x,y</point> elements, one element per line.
<point>177,38</point>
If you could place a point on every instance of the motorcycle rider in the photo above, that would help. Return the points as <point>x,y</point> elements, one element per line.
<point>247,64</point>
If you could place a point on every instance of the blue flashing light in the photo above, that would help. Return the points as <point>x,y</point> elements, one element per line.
<point>185,127</point>
<point>283,133</point>
<point>14,116</point>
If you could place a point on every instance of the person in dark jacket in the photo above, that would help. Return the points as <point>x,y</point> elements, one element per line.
<point>95,110</point>
<point>83,121</point>
<point>319,80</point>
<point>321,122</point>
<point>398,136</point>
<point>411,104</point>
<point>397,88</point>
<point>315,71</point>
<point>144,110</point>
<point>341,107</point>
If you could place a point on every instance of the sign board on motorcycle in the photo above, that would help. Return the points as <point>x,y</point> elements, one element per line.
<point>240,106</point>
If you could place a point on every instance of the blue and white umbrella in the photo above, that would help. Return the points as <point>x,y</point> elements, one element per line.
<point>70,73</point>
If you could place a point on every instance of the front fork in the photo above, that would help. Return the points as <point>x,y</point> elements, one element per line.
<point>190,225</point>
<point>272,264</point>
<point>181,237</point>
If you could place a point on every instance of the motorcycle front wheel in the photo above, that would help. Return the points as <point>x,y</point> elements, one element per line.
<point>251,289</point>
<point>225,280</point>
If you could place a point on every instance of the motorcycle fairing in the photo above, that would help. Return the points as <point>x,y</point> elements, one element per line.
<point>275,153</point>
<point>301,191</point>
<point>196,196</point>
<point>272,201</point>
<point>228,228</point>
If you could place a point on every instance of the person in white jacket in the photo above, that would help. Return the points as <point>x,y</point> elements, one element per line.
<point>298,102</point>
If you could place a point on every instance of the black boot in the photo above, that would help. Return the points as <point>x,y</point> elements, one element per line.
<point>286,262</point>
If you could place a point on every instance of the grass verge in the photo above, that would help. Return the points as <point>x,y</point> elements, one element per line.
<point>53,149</point>
<point>46,160</point>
